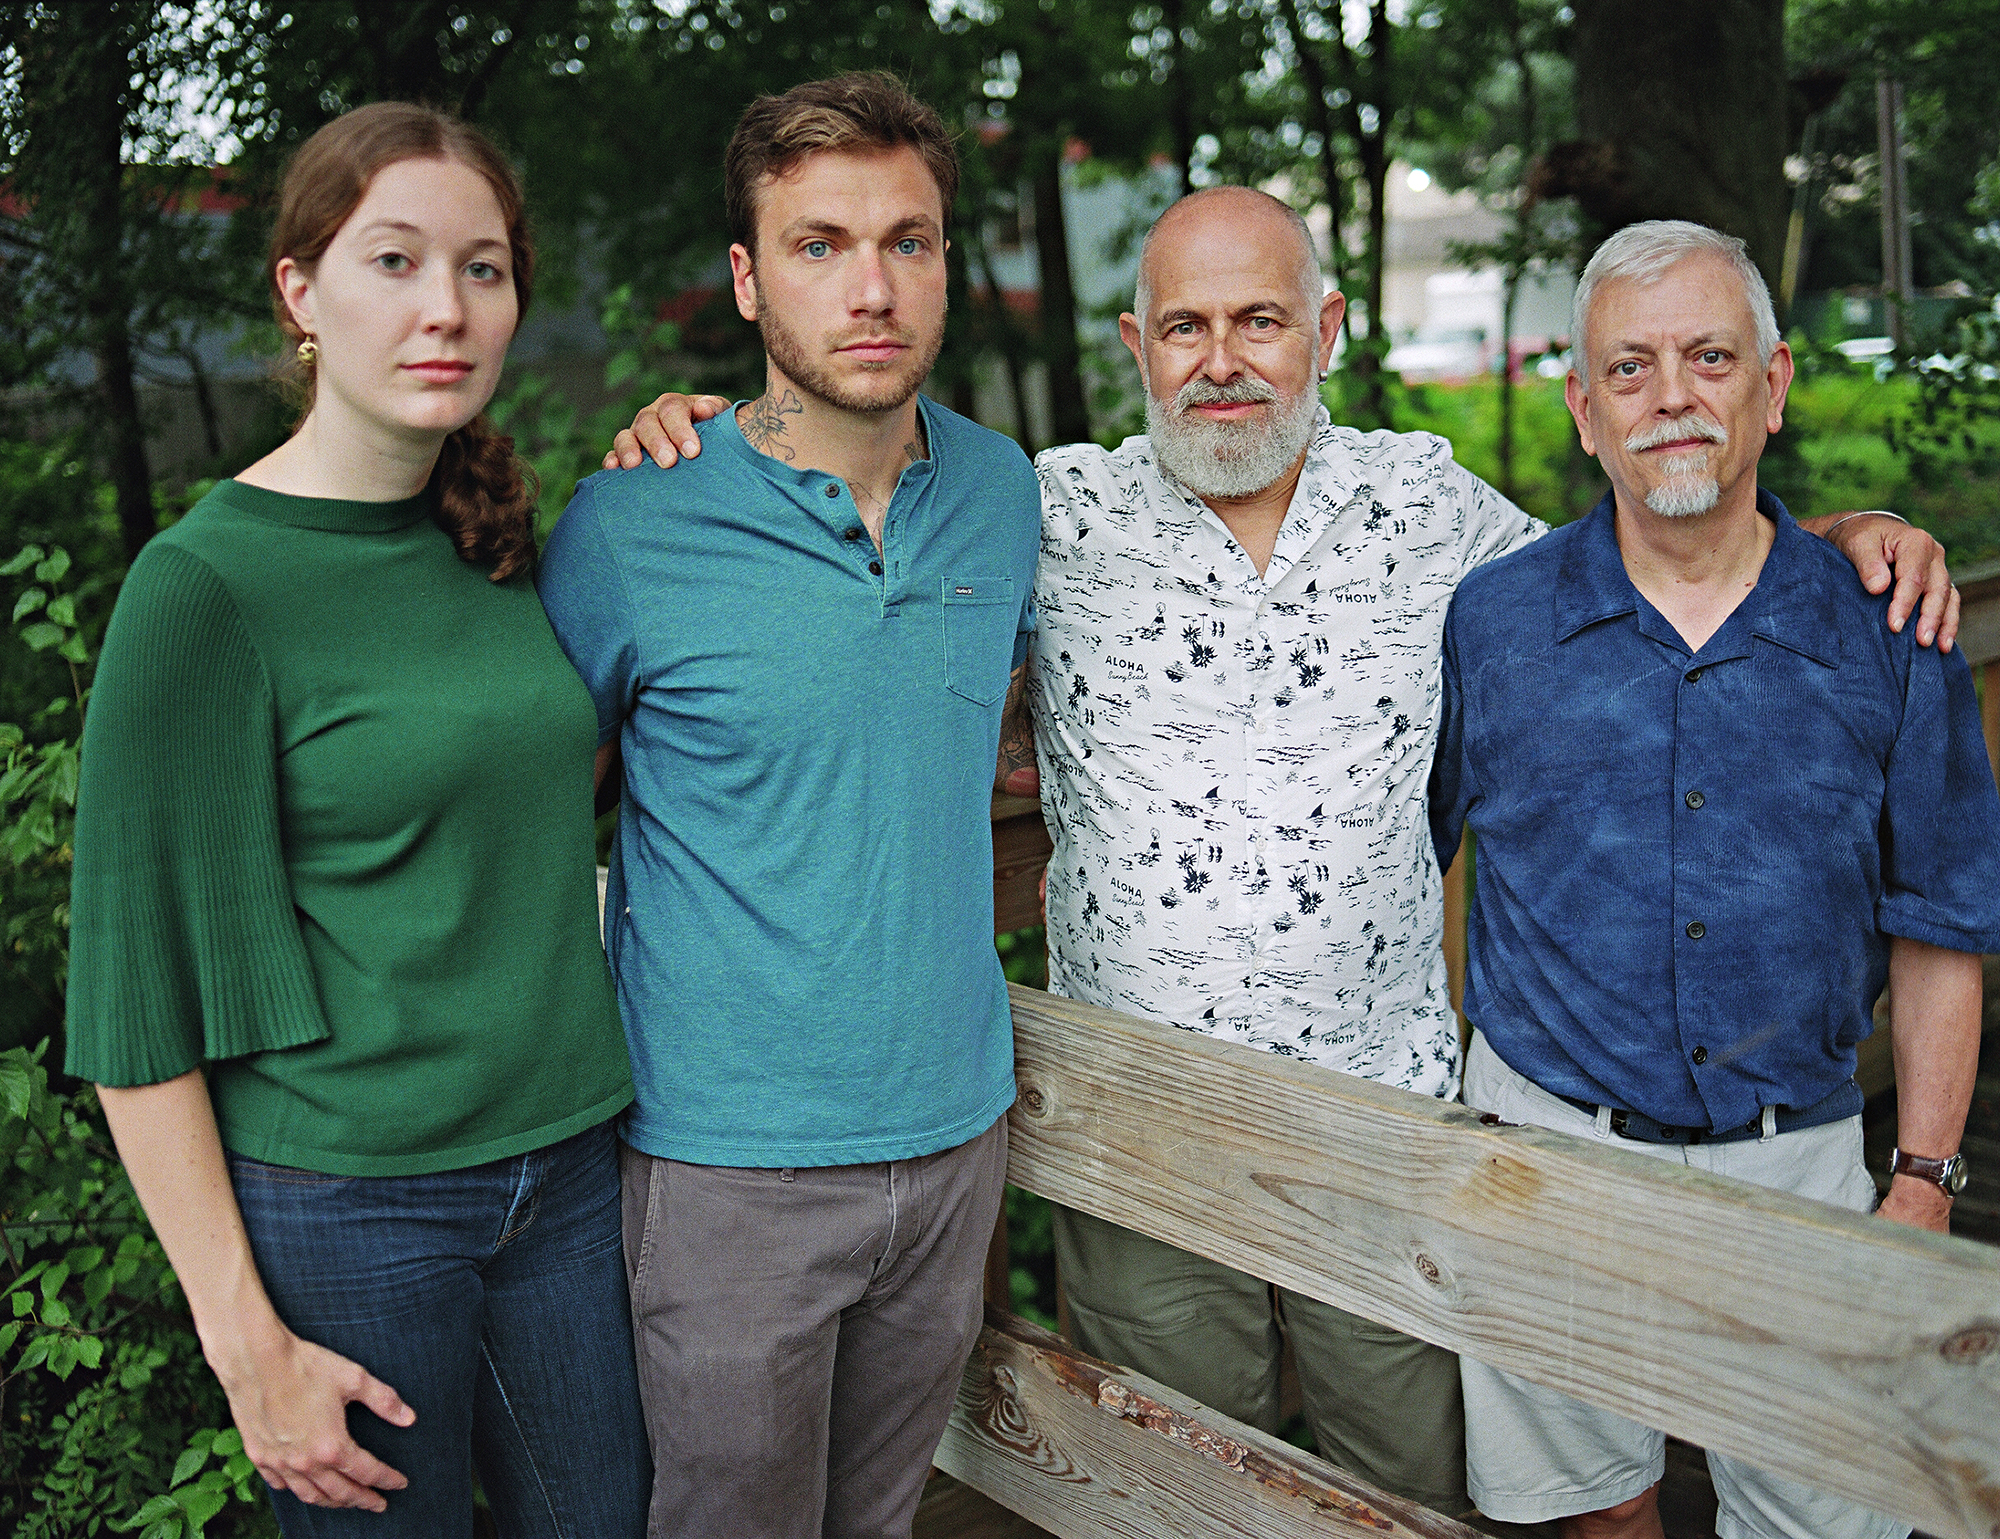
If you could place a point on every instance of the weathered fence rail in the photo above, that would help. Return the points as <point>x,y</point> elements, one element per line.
<point>1845,1351</point>
<point>1829,1346</point>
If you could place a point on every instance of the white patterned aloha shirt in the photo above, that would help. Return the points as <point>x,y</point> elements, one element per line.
<point>1234,766</point>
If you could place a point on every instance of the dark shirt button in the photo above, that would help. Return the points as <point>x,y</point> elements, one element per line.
<point>875,568</point>
<point>1695,800</point>
<point>1693,674</point>
<point>832,489</point>
<point>1667,1132</point>
<point>851,535</point>
<point>1697,930</point>
<point>1701,1055</point>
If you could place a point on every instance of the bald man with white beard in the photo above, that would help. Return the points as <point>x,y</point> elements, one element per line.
<point>1235,686</point>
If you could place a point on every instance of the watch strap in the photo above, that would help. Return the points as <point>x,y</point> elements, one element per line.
<point>1947,1174</point>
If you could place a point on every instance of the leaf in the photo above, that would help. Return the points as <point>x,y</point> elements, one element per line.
<point>55,1314</point>
<point>62,1354</point>
<point>28,603</point>
<point>166,1528</point>
<point>8,1333</point>
<point>90,1350</point>
<point>53,1280</point>
<point>228,1441</point>
<point>55,568</point>
<point>187,1464</point>
<point>157,1508</point>
<point>621,367</point>
<point>201,1506</point>
<point>41,635</point>
<point>84,1257</point>
<point>62,608</point>
<point>21,560</point>
<point>74,650</point>
<point>17,1082</point>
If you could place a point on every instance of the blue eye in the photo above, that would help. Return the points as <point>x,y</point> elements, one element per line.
<point>393,262</point>
<point>909,245</point>
<point>816,249</point>
<point>482,272</point>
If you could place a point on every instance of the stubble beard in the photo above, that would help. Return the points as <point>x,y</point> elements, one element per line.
<point>1229,459</point>
<point>882,387</point>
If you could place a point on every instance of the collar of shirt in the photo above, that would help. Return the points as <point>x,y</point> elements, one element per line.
<point>1788,606</point>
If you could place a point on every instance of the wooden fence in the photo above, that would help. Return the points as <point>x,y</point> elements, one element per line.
<point>1829,1346</point>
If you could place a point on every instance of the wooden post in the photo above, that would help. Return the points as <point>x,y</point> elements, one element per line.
<point>1457,908</point>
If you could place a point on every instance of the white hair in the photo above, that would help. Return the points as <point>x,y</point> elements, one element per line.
<point>1312,282</point>
<point>1644,253</point>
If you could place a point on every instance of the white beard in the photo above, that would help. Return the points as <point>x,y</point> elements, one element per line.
<point>1229,459</point>
<point>1685,493</point>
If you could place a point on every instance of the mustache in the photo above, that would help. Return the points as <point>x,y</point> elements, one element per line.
<point>1689,426</point>
<point>1205,392</point>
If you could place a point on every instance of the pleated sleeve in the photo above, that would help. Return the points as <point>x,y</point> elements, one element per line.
<point>184,942</point>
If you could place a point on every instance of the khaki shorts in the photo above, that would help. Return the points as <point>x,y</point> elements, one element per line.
<point>1535,1454</point>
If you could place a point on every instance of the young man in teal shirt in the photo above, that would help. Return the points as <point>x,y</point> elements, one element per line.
<point>801,643</point>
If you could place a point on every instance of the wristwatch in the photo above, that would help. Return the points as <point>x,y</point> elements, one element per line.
<point>1947,1174</point>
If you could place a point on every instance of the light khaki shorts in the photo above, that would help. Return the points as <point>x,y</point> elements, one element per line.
<point>1536,1454</point>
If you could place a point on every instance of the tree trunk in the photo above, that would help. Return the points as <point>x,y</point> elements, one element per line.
<point>1320,116</point>
<point>1180,95</point>
<point>1683,110</point>
<point>107,303</point>
<point>1069,416</point>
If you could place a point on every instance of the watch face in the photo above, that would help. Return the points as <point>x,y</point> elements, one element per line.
<point>1952,1177</point>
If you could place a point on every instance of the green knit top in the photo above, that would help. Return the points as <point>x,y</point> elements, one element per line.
<point>333,840</point>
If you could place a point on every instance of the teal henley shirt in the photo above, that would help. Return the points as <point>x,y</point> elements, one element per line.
<point>800,917</point>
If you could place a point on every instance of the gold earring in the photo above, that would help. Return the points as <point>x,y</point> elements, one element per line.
<point>308,352</point>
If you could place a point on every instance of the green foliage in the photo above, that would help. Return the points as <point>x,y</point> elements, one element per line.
<point>100,1373</point>
<point>564,444</point>
<point>101,1377</point>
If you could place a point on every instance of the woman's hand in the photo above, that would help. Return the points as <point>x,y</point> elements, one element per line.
<point>289,1400</point>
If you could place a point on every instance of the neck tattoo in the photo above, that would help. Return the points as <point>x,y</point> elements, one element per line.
<point>763,424</point>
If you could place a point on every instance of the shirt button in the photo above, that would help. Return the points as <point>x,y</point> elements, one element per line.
<point>874,569</point>
<point>1697,930</point>
<point>833,488</point>
<point>1700,1055</point>
<point>1695,800</point>
<point>1694,675</point>
<point>851,535</point>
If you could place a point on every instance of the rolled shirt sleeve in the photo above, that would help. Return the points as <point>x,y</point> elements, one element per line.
<point>185,944</point>
<point>1938,883</point>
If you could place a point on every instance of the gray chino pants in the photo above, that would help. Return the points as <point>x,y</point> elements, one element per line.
<point>801,1334</point>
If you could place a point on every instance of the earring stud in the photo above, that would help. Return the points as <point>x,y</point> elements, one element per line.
<point>308,352</point>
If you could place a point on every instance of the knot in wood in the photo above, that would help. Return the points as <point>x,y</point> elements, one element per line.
<point>1969,1346</point>
<point>1429,1270</point>
<point>1033,1102</point>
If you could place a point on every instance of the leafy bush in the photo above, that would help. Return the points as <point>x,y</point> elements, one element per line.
<point>101,1376</point>
<point>565,445</point>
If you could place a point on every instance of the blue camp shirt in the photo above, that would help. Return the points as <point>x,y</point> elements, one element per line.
<point>800,912</point>
<point>1689,866</point>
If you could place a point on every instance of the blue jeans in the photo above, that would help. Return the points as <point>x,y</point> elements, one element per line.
<point>493,1300</point>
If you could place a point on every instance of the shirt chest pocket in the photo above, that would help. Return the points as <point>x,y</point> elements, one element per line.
<point>979,624</point>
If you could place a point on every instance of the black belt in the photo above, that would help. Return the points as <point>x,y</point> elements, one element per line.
<point>1644,1129</point>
